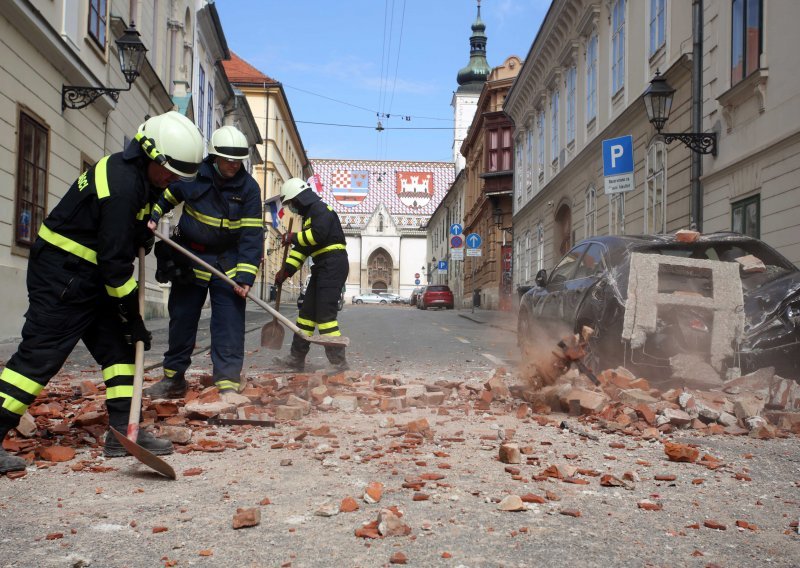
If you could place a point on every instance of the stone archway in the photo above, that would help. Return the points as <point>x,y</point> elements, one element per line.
<point>563,230</point>
<point>379,270</point>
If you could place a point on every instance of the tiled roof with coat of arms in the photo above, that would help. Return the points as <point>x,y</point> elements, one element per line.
<point>410,191</point>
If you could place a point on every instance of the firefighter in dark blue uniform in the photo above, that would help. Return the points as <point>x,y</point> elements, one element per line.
<point>222,224</point>
<point>80,276</point>
<point>323,240</point>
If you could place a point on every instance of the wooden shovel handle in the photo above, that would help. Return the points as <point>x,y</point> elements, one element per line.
<point>286,248</point>
<point>138,376</point>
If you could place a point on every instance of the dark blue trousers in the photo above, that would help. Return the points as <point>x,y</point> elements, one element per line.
<point>227,330</point>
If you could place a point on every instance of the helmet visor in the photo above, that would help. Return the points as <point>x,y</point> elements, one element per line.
<point>187,171</point>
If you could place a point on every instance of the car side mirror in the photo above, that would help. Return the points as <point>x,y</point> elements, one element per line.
<point>541,278</point>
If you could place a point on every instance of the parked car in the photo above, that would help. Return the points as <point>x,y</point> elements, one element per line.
<point>369,298</point>
<point>302,296</point>
<point>414,295</point>
<point>436,296</point>
<point>393,298</point>
<point>589,287</point>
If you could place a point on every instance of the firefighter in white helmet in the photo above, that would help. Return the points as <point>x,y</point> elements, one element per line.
<point>222,224</point>
<point>81,282</point>
<point>322,239</point>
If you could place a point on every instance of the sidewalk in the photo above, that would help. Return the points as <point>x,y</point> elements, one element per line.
<point>492,318</point>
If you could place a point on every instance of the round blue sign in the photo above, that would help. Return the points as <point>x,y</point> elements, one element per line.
<point>474,240</point>
<point>456,229</point>
<point>456,241</point>
<point>416,281</point>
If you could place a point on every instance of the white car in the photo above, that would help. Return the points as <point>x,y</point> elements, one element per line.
<point>369,299</point>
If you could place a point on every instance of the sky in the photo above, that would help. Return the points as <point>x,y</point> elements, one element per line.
<point>352,62</point>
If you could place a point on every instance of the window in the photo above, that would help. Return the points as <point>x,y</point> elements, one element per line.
<point>591,78</point>
<point>539,247</point>
<point>529,169</point>
<point>505,149</point>
<point>540,149</point>
<point>493,150</point>
<point>571,74</point>
<point>380,222</point>
<point>658,9</point>
<point>31,191</point>
<point>746,217</point>
<point>746,37</point>
<point>518,171</point>
<point>616,214</point>
<point>210,115</point>
<point>617,46</point>
<point>655,190</point>
<point>527,263</point>
<point>590,213</point>
<point>566,268</point>
<point>201,98</point>
<point>592,262</point>
<point>554,128</point>
<point>97,21</point>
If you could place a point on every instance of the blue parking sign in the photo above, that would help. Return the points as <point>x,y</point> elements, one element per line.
<point>618,164</point>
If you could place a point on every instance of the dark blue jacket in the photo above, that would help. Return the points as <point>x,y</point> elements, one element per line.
<point>223,225</point>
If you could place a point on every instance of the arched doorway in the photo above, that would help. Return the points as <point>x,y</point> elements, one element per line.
<point>379,271</point>
<point>563,229</point>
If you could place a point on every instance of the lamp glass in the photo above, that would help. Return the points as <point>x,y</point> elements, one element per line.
<point>658,101</point>
<point>131,53</point>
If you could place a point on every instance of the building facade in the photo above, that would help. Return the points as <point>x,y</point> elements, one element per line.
<point>581,83</point>
<point>489,153</point>
<point>449,212</point>
<point>384,207</point>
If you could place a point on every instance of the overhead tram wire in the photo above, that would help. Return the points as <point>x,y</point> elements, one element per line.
<point>378,137</point>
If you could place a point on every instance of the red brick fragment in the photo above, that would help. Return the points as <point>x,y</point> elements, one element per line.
<point>649,505</point>
<point>193,471</point>
<point>570,512</point>
<point>157,530</point>
<point>348,505</point>
<point>54,536</point>
<point>531,498</point>
<point>206,552</point>
<point>680,452</point>
<point>57,453</point>
<point>665,477</point>
<point>398,558</point>
<point>746,525</point>
<point>246,517</point>
<point>716,525</point>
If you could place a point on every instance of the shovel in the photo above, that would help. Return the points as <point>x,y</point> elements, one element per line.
<point>318,339</point>
<point>129,443</point>
<point>272,332</point>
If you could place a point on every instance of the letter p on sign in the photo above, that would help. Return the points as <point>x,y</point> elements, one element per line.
<point>618,156</point>
<point>616,152</point>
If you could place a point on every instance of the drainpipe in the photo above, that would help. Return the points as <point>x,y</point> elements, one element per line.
<point>264,295</point>
<point>697,113</point>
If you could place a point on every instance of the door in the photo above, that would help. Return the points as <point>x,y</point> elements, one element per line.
<point>550,307</point>
<point>589,268</point>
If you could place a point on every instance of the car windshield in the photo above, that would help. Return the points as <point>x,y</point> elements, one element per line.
<point>437,289</point>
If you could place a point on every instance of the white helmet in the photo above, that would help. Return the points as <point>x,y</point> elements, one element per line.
<point>229,142</point>
<point>173,141</point>
<point>293,187</point>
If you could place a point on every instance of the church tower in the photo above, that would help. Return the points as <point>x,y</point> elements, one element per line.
<point>470,83</point>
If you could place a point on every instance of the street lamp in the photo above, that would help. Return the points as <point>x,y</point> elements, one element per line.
<point>131,52</point>
<point>658,103</point>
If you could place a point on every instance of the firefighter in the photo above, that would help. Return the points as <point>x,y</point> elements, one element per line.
<point>323,240</point>
<point>222,224</point>
<point>80,276</point>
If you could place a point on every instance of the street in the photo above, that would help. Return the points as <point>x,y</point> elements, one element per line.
<point>438,464</point>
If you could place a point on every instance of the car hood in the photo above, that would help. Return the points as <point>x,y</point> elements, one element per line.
<point>767,296</point>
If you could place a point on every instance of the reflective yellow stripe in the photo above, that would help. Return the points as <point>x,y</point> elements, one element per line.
<point>147,145</point>
<point>68,245</point>
<point>215,221</point>
<point>122,291</point>
<point>117,370</point>
<point>122,391</point>
<point>306,238</point>
<point>328,248</point>
<point>251,222</point>
<point>328,325</point>
<point>13,405</point>
<point>293,262</point>
<point>143,212</point>
<point>158,210</point>
<point>101,178</point>
<point>297,255</point>
<point>201,274</point>
<point>169,197</point>
<point>227,385</point>
<point>307,223</point>
<point>22,382</point>
<point>243,267</point>
<point>301,322</point>
<point>330,208</point>
<point>169,373</point>
<point>301,240</point>
<point>331,333</point>
<point>231,273</point>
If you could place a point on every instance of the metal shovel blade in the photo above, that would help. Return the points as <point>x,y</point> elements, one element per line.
<point>272,335</point>
<point>147,458</point>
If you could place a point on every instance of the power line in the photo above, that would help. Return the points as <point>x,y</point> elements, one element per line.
<point>369,126</point>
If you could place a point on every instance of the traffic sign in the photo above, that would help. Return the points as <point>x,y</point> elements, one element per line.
<point>416,281</point>
<point>442,266</point>
<point>457,254</point>
<point>474,240</point>
<point>474,252</point>
<point>456,229</point>
<point>456,242</point>
<point>416,275</point>
<point>618,164</point>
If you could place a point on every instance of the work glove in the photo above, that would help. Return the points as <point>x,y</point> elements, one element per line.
<point>133,328</point>
<point>281,276</point>
<point>144,237</point>
<point>286,238</point>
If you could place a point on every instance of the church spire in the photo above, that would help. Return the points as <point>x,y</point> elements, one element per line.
<point>472,77</point>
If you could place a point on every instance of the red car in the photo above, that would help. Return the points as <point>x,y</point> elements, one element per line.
<point>435,296</point>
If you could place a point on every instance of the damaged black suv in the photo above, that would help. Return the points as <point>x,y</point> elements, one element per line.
<point>590,287</point>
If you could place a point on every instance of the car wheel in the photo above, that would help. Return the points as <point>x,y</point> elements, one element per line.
<point>602,351</point>
<point>359,301</point>
<point>383,301</point>
<point>423,307</point>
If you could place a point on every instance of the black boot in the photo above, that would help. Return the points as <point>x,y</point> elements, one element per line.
<point>336,357</point>
<point>168,387</point>
<point>156,446</point>
<point>294,361</point>
<point>7,461</point>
